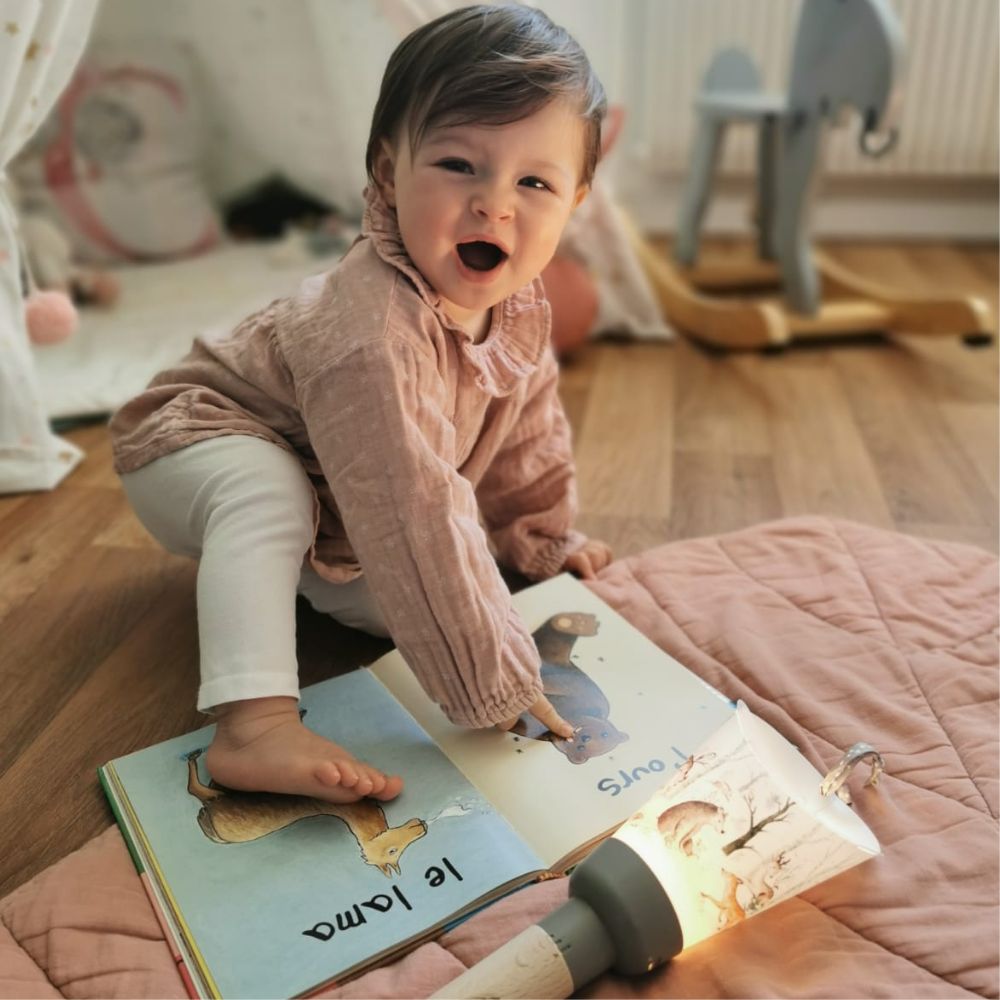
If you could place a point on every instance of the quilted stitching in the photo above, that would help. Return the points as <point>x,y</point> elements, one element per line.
<point>830,630</point>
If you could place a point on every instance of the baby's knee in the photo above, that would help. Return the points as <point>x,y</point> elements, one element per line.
<point>162,516</point>
<point>271,516</point>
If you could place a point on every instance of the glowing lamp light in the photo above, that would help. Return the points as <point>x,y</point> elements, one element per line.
<point>744,823</point>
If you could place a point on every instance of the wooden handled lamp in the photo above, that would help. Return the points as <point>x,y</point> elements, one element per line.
<point>744,823</point>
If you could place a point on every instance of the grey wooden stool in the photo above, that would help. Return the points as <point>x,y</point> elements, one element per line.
<point>846,54</point>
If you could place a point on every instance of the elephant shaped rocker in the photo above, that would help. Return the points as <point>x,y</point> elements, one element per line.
<point>847,54</point>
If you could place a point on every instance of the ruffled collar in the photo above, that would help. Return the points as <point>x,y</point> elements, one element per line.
<point>519,331</point>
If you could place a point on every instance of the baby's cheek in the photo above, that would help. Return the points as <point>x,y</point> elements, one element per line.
<point>547,242</point>
<point>555,226</point>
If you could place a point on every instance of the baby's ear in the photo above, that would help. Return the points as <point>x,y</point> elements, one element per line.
<point>581,193</point>
<point>384,169</point>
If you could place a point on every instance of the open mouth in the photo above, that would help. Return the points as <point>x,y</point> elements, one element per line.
<point>479,255</point>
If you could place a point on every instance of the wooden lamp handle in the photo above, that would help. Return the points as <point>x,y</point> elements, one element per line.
<point>529,965</point>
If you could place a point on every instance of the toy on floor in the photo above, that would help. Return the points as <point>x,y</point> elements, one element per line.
<point>847,53</point>
<point>54,284</point>
<point>574,284</point>
<point>267,209</point>
<point>572,295</point>
<point>569,285</point>
<point>50,262</point>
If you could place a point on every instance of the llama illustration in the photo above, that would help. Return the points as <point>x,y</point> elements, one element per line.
<point>681,824</point>
<point>232,817</point>
<point>574,695</point>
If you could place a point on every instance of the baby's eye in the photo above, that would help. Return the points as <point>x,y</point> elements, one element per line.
<point>535,183</point>
<point>457,166</point>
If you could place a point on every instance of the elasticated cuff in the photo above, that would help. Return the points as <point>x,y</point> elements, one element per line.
<point>241,687</point>
<point>549,560</point>
<point>495,711</point>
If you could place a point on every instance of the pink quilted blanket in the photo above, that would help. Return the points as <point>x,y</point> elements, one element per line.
<point>831,631</point>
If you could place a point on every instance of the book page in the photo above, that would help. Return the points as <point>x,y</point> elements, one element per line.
<point>641,715</point>
<point>277,894</point>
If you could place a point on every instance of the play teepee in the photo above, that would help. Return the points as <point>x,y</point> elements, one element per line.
<point>40,43</point>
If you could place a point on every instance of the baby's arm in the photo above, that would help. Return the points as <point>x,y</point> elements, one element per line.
<point>378,426</point>
<point>528,495</point>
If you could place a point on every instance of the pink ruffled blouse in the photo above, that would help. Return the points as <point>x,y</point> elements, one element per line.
<point>414,437</point>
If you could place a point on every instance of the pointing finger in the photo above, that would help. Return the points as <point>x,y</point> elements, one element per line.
<point>586,566</point>
<point>551,719</point>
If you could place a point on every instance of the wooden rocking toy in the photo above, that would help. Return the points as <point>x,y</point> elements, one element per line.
<point>847,53</point>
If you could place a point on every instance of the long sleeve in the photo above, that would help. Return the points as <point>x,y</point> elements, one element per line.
<point>377,424</point>
<point>528,494</point>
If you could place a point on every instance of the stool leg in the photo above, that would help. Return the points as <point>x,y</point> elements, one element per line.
<point>796,170</point>
<point>694,198</point>
<point>768,138</point>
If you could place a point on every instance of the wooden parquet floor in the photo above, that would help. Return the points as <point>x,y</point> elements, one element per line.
<point>98,646</point>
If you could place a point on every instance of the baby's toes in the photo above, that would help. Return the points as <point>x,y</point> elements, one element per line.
<point>328,773</point>
<point>364,785</point>
<point>348,773</point>
<point>393,786</point>
<point>377,778</point>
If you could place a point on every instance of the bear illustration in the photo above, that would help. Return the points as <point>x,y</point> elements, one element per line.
<point>573,694</point>
<point>680,825</point>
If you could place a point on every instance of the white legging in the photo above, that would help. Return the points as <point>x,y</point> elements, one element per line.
<point>244,508</point>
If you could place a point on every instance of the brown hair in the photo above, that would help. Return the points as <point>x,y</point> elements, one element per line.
<point>488,65</point>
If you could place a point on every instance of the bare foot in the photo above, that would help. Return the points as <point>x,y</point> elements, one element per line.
<point>261,745</point>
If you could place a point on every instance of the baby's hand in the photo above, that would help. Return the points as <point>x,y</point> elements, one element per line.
<point>547,716</point>
<point>588,560</point>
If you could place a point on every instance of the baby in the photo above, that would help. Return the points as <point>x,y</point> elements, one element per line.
<point>366,441</point>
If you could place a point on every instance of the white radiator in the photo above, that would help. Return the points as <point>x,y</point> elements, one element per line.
<point>948,125</point>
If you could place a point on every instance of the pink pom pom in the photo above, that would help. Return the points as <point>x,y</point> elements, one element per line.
<point>51,317</point>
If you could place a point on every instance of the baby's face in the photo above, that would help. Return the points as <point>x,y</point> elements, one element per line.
<point>481,208</point>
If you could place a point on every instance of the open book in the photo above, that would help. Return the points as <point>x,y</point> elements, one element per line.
<point>280,896</point>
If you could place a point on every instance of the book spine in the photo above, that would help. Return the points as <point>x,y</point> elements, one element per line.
<point>122,825</point>
<point>165,929</point>
<point>168,937</point>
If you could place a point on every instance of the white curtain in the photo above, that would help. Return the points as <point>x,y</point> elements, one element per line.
<point>40,43</point>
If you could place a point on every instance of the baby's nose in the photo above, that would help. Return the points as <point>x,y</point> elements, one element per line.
<point>492,205</point>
